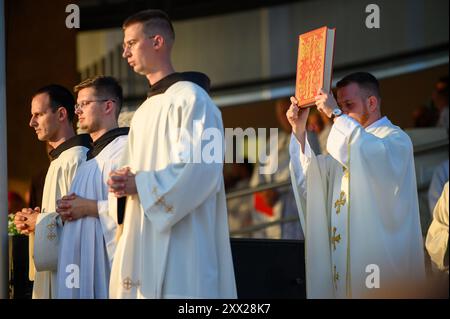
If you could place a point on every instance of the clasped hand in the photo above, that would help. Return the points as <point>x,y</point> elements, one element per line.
<point>72,207</point>
<point>25,220</point>
<point>122,182</point>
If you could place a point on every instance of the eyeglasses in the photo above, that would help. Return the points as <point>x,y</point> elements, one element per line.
<point>130,44</point>
<point>82,104</point>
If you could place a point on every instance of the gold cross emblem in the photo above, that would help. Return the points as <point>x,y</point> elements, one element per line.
<point>51,225</point>
<point>346,172</point>
<point>335,276</point>
<point>51,236</point>
<point>169,209</point>
<point>160,201</point>
<point>340,202</point>
<point>335,238</point>
<point>128,283</point>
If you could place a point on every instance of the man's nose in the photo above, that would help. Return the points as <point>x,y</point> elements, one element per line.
<point>125,53</point>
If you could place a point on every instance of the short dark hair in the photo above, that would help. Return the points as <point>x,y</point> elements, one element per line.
<point>104,85</point>
<point>59,97</point>
<point>152,20</point>
<point>365,80</point>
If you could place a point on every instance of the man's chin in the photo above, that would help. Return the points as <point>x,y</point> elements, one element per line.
<point>361,120</point>
<point>84,128</point>
<point>355,118</point>
<point>139,71</point>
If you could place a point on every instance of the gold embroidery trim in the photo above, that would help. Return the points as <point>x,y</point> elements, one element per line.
<point>348,278</point>
<point>346,173</point>
<point>335,277</point>
<point>340,202</point>
<point>169,209</point>
<point>335,239</point>
<point>160,200</point>
<point>51,235</point>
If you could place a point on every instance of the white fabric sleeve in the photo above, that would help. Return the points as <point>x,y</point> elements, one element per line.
<point>48,232</point>
<point>300,161</point>
<point>337,143</point>
<point>169,194</point>
<point>109,225</point>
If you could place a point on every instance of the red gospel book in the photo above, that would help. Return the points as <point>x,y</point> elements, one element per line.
<point>314,64</point>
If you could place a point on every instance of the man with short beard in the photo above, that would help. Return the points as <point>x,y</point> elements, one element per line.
<point>358,205</point>
<point>87,239</point>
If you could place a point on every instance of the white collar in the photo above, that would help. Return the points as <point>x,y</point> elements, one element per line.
<point>378,123</point>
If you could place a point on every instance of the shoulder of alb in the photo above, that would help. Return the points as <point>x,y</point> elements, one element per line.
<point>188,90</point>
<point>117,145</point>
<point>399,137</point>
<point>74,154</point>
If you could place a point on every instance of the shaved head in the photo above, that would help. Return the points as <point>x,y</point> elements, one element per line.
<point>154,22</point>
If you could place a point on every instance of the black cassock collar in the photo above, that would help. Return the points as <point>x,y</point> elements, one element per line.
<point>162,85</point>
<point>104,140</point>
<point>77,140</point>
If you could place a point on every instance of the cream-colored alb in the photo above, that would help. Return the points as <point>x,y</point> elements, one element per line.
<point>359,210</point>
<point>175,241</point>
<point>437,237</point>
<point>57,184</point>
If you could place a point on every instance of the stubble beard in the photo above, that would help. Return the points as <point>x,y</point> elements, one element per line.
<point>365,116</point>
<point>93,127</point>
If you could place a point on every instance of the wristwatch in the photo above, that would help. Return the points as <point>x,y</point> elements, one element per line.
<point>336,113</point>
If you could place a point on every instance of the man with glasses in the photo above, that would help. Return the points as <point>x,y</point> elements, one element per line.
<point>175,240</point>
<point>87,241</point>
<point>358,205</point>
<point>52,115</point>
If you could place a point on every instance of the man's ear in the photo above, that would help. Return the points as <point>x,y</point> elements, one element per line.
<point>158,42</point>
<point>373,103</point>
<point>109,107</point>
<point>62,114</point>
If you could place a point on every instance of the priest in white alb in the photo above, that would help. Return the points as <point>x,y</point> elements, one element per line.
<point>358,205</point>
<point>175,240</point>
<point>88,237</point>
<point>52,114</point>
